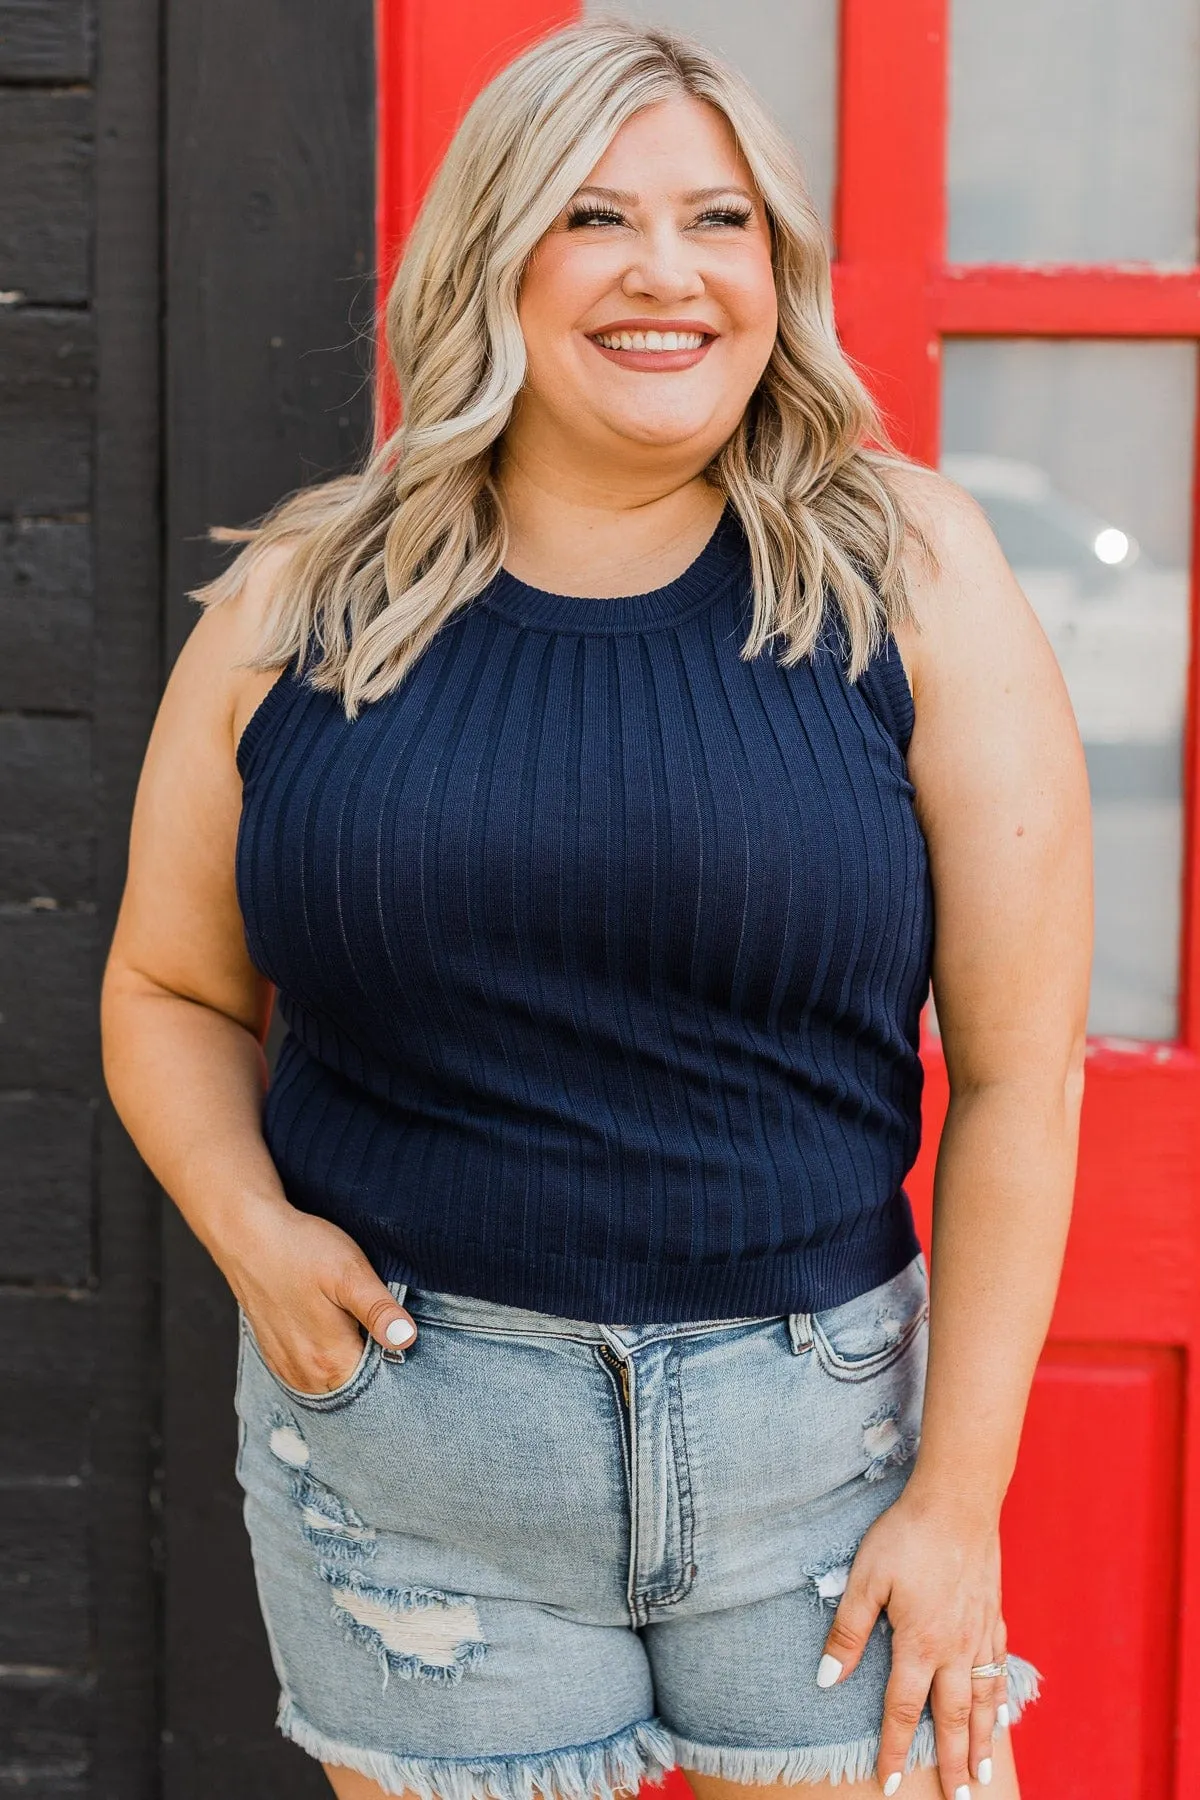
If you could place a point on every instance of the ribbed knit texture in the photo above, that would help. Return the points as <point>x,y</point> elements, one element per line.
<point>601,953</point>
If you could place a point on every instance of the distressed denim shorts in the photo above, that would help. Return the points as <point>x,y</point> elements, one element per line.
<point>537,1553</point>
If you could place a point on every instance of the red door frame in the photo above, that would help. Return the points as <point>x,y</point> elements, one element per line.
<point>1129,1304</point>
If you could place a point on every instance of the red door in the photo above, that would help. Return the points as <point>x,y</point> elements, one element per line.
<point>1061,388</point>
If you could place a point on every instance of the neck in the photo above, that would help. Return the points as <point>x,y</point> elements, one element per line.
<point>601,541</point>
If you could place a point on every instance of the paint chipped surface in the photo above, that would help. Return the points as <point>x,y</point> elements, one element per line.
<point>422,1634</point>
<point>287,1442</point>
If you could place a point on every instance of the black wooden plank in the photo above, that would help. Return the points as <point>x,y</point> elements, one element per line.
<point>45,199</point>
<point>269,259</point>
<point>44,1719</point>
<point>47,371</point>
<point>46,615</point>
<point>44,1590</point>
<point>46,1151</point>
<point>45,40</point>
<point>48,1024</point>
<point>128,597</point>
<point>47,1361</point>
<point>46,810</point>
<point>268,265</point>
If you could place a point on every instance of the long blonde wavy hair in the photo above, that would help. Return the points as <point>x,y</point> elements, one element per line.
<point>381,558</point>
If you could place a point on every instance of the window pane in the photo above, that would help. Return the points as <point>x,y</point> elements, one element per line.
<point>787,49</point>
<point>1074,131</point>
<point>1081,454</point>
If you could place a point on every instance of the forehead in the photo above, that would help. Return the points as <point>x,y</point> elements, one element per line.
<point>680,143</point>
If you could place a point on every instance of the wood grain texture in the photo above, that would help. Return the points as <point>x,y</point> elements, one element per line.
<point>45,40</point>
<point>47,376</point>
<point>46,615</point>
<point>46,810</point>
<point>48,1027</point>
<point>45,212</point>
<point>44,1589</point>
<point>47,1364</point>
<point>43,1725</point>
<point>47,1146</point>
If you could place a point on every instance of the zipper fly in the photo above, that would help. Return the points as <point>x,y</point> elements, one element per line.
<point>622,1369</point>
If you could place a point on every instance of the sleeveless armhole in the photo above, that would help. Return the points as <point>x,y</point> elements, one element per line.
<point>260,720</point>
<point>884,684</point>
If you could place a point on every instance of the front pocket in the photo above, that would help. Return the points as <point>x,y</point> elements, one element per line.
<point>862,1337</point>
<point>329,1399</point>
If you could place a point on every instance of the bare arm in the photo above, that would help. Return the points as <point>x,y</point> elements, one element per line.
<point>184,1014</point>
<point>1001,792</point>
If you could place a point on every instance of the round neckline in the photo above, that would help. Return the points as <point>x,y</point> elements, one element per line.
<point>698,586</point>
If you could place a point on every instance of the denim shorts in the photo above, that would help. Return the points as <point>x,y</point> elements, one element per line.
<point>537,1553</point>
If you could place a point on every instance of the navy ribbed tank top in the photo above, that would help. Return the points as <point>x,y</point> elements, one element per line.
<point>601,953</point>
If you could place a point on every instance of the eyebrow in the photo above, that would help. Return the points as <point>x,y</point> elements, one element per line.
<point>689,199</point>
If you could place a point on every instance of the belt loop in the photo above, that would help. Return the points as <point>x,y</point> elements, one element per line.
<point>800,1331</point>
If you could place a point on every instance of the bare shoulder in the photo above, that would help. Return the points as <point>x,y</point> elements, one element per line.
<point>211,668</point>
<point>969,611</point>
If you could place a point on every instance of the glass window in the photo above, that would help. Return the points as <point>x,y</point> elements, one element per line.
<point>787,49</point>
<point>1081,454</point>
<point>1074,131</point>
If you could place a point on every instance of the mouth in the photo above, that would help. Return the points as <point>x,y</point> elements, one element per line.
<point>652,349</point>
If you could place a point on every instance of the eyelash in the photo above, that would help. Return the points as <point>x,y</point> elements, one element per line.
<point>595,215</point>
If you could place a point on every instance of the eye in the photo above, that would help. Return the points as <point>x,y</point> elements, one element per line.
<point>592,215</point>
<point>728,215</point>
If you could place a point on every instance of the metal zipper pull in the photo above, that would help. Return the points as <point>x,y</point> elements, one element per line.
<point>622,1368</point>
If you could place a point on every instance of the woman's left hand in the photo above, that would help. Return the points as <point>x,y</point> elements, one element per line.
<point>936,1568</point>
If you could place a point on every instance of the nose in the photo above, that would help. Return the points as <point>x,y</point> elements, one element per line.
<point>663,266</point>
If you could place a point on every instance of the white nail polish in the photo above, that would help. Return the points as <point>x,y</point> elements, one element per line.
<point>984,1771</point>
<point>400,1332</point>
<point>892,1783</point>
<point>963,1792</point>
<point>1002,1715</point>
<point>828,1671</point>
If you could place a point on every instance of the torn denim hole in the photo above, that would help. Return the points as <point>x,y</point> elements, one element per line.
<point>330,1523</point>
<point>286,1441</point>
<point>885,1443</point>
<point>828,1578</point>
<point>420,1634</point>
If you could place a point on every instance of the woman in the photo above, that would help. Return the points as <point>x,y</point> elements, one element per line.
<point>585,773</point>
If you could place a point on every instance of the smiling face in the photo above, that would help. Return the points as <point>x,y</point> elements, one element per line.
<point>648,309</point>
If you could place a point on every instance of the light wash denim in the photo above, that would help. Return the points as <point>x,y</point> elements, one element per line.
<point>533,1554</point>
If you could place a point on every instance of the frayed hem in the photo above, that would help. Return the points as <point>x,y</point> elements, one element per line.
<point>598,1771</point>
<point>854,1761</point>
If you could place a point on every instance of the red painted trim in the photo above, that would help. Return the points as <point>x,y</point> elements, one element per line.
<point>1189,950</point>
<point>431,61</point>
<point>890,206</point>
<point>1065,302</point>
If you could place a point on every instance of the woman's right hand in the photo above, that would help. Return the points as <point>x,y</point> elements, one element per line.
<point>306,1287</point>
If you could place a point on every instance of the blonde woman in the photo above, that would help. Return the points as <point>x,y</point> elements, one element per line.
<point>586,774</point>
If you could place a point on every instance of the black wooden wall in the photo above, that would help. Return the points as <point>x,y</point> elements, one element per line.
<point>185,296</point>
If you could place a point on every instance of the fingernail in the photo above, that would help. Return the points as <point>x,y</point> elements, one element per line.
<point>400,1332</point>
<point>984,1771</point>
<point>963,1792</point>
<point>1002,1714</point>
<point>828,1671</point>
<point>892,1783</point>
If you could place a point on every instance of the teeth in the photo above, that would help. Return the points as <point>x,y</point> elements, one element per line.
<point>650,340</point>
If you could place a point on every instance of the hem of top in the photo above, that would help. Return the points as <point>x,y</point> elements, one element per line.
<point>603,1770</point>
<point>852,1760</point>
<point>811,1279</point>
